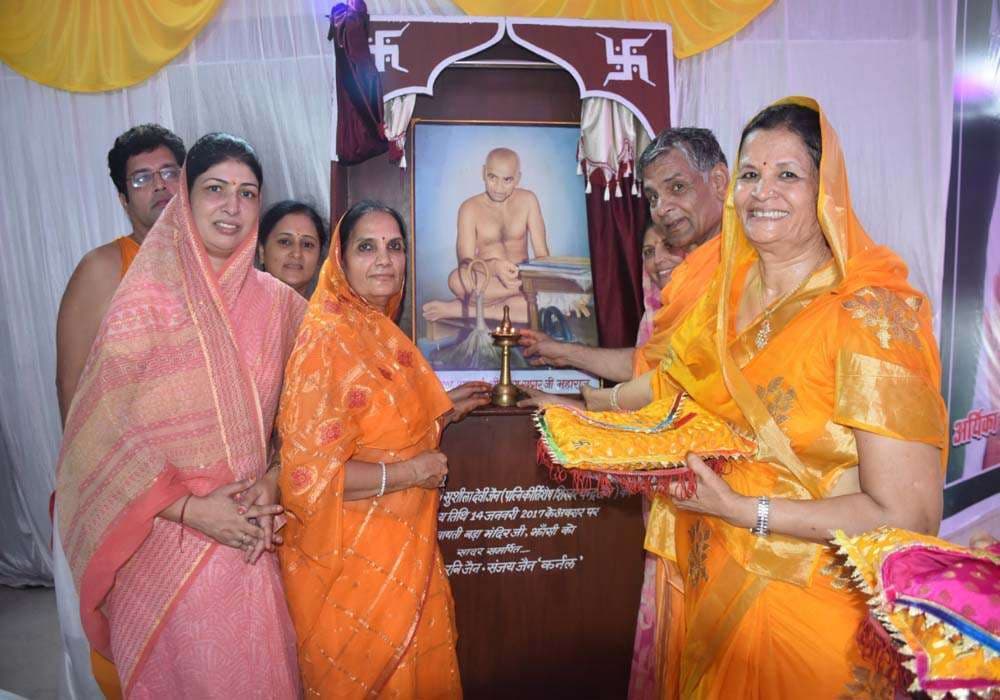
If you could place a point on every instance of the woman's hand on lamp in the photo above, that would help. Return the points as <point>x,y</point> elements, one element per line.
<point>467,397</point>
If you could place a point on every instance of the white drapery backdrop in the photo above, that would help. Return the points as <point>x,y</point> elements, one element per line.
<point>263,69</point>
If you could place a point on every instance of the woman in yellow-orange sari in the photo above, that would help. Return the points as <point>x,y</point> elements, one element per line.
<point>809,338</point>
<point>360,419</point>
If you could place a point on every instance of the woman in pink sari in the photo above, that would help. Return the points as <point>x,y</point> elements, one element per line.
<point>165,499</point>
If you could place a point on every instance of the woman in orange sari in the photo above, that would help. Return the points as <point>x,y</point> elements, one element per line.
<point>360,420</point>
<point>809,338</point>
<point>164,498</point>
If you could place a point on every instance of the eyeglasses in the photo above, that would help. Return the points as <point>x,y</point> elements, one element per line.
<point>144,178</point>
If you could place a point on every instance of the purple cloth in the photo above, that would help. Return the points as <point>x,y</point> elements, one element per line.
<point>360,112</point>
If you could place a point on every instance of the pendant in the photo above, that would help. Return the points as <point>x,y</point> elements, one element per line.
<point>763,334</point>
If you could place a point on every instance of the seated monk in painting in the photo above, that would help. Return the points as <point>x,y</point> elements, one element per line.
<point>494,226</point>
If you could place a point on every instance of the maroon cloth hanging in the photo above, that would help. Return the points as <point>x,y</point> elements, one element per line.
<point>360,112</point>
<point>615,228</point>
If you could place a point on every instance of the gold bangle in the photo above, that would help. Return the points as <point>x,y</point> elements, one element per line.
<point>613,399</point>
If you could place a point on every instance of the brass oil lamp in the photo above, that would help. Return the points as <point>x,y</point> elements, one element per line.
<point>505,337</point>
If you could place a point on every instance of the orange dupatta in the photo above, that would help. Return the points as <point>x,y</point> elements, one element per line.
<point>365,582</point>
<point>859,314</point>
<point>166,406</point>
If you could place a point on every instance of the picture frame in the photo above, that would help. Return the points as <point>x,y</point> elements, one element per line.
<point>475,246</point>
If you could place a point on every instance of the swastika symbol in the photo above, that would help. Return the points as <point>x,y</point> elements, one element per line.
<point>626,59</point>
<point>385,52</point>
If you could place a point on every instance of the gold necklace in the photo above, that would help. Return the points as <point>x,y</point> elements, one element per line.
<point>763,336</point>
<point>764,331</point>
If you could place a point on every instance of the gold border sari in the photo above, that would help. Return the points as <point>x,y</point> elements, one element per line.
<point>852,349</point>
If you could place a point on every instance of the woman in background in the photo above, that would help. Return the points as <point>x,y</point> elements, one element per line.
<point>658,262</point>
<point>292,239</point>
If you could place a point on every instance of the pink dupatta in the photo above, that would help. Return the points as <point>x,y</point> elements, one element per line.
<point>651,304</point>
<point>170,402</point>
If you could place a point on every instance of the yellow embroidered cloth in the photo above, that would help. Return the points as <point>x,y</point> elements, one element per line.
<point>652,441</point>
<point>939,601</point>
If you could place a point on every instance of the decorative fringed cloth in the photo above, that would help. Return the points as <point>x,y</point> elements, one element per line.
<point>631,452</point>
<point>939,603</point>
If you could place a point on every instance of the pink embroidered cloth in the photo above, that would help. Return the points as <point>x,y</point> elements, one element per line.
<point>938,601</point>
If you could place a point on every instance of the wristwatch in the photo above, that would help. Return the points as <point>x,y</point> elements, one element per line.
<point>761,529</point>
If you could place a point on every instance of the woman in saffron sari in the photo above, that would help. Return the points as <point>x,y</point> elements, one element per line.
<point>165,502</point>
<point>809,338</point>
<point>360,420</point>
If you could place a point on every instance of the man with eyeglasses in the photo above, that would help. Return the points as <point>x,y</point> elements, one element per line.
<point>145,165</point>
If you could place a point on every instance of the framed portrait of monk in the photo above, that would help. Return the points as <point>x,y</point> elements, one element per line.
<point>499,221</point>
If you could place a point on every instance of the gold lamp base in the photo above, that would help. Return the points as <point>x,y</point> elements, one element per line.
<point>505,395</point>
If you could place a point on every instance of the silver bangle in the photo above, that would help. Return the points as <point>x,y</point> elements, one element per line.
<point>381,488</point>
<point>761,529</point>
<point>613,399</point>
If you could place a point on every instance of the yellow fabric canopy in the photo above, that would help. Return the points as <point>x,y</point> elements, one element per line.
<point>697,24</point>
<point>95,45</point>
